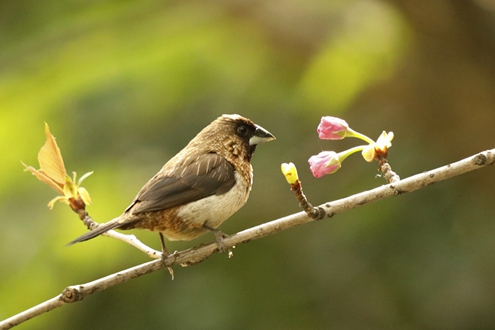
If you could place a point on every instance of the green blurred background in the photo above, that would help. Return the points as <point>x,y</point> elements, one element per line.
<point>124,85</point>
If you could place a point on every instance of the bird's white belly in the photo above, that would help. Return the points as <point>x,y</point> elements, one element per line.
<point>214,210</point>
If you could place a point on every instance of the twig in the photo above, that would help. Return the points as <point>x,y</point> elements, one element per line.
<point>386,169</point>
<point>129,239</point>
<point>315,213</point>
<point>199,253</point>
<point>132,240</point>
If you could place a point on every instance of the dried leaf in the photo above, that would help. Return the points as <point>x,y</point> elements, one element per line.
<point>50,159</point>
<point>44,178</point>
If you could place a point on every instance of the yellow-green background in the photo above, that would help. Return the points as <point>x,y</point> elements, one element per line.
<point>124,85</point>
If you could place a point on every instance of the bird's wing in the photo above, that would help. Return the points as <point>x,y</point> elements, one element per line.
<point>199,177</point>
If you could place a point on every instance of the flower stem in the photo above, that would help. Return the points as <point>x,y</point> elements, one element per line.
<point>353,133</point>
<point>344,154</point>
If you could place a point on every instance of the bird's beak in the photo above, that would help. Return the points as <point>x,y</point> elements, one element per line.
<point>261,135</point>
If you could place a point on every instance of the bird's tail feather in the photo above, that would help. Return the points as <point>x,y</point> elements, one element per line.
<point>103,228</point>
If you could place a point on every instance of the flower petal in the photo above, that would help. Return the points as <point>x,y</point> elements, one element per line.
<point>369,153</point>
<point>84,194</point>
<point>332,128</point>
<point>70,188</point>
<point>384,141</point>
<point>326,162</point>
<point>83,177</point>
<point>57,199</point>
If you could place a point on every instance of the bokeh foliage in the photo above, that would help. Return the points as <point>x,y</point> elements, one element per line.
<point>125,84</point>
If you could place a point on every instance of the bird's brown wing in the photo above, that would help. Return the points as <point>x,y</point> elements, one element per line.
<point>200,177</point>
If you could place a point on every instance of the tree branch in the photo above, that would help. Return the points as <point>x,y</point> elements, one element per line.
<point>201,252</point>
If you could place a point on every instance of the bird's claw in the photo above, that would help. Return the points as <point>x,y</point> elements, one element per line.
<point>221,246</point>
<point>166,263</point>
<point>219,236</point>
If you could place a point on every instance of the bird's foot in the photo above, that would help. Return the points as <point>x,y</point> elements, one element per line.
<point>166,263</point>
<point>219,236</point>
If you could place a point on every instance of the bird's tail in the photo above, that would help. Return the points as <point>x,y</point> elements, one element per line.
<point>103,228</point>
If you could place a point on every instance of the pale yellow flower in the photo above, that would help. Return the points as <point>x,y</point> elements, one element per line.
<point>290,172</point>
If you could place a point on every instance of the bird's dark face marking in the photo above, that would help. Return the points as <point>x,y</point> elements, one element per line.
<point>247,132</point>
<point>244,130</point>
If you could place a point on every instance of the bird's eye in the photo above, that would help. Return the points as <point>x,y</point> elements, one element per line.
<point>242,130</point>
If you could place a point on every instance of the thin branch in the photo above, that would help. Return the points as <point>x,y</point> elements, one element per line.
<point>386,169</point>
<point>79,208</point>
<point>199,253</point>
<point>133,241</point>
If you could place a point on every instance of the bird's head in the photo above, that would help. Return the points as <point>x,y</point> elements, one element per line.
<point>244,132</point>
<point>233,136</point>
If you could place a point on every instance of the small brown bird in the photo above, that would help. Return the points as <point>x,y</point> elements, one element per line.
<point>199,188</point>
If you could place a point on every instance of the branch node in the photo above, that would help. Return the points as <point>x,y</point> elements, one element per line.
<point>86,218</point>
<point>479,160</point>
<point>317,213</point>
<point>71,294</point>
<point>490,156</point>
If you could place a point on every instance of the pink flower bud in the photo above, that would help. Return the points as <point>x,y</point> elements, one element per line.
<point>332,128</point>
<point>326,162</point>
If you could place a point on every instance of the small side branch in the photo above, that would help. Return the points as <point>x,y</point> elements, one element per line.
<point>315,213</point>
<point>387,171</point>
<point>129,239</point>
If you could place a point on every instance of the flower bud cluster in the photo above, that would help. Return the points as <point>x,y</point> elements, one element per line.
<point>333,128</point>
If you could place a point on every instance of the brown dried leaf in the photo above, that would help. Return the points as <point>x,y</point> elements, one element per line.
<point>51,161</point>
<point>44,178</point>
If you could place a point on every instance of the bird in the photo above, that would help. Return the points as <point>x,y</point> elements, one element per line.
<point>199,188</point>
